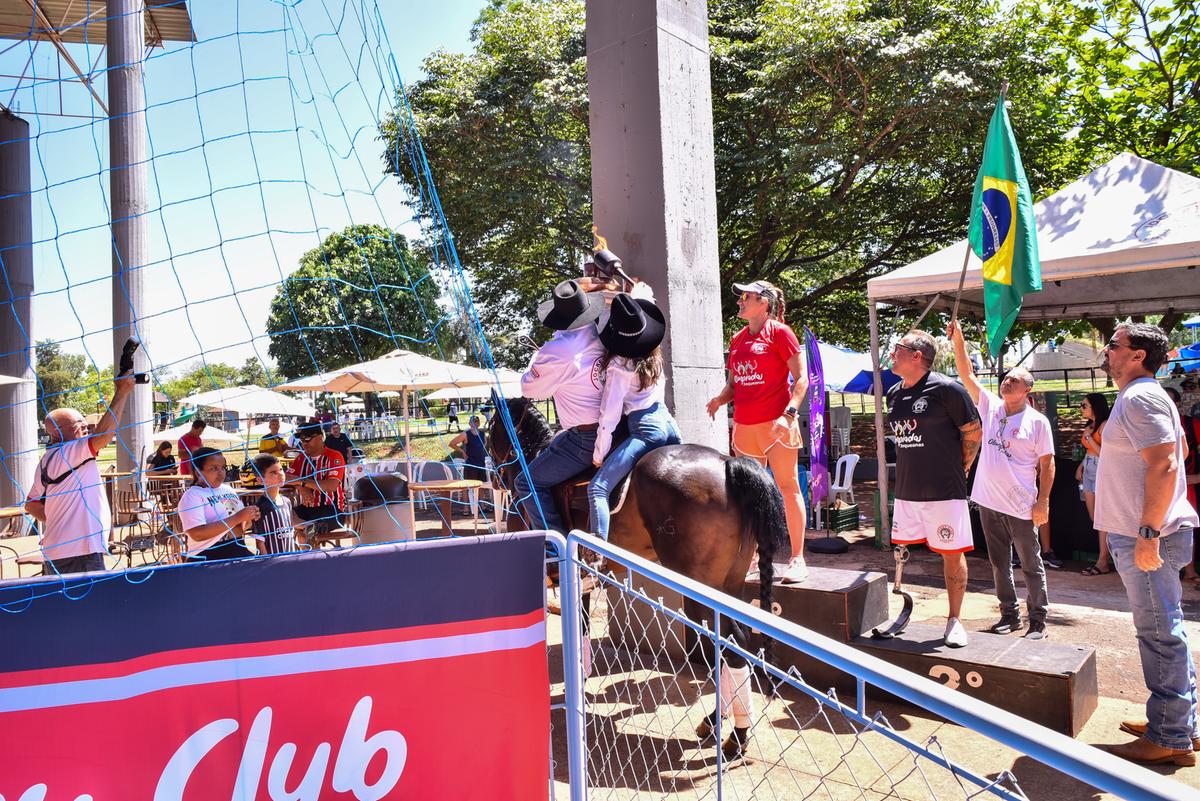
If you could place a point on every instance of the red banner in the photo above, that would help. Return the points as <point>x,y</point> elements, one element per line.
<point>455,710</point>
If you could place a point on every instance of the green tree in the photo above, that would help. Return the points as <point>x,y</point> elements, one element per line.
<point>254,373</point>
<point>358,295</point>
<point>60,376</point>
<point>505,129</point>
<point>847,139</point>
<point>200,376</point>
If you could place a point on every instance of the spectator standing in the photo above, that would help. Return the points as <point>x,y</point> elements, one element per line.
<point>211,514</point>
<point>1095,410</point>
<point>339,441</point>
<point>470,446</point>
<point>452,417</point>
<point>162,460</point>
<point>1141,501</point>
<point>937,435</point>
<point>1012,487</point>
<point>318,473</point>
<point>274,529</point>
<point>273,443</point>
<point>189,444</point>
<point>68,495</point>
<point>762,356</point>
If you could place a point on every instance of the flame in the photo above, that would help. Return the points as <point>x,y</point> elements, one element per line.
<point>601,243</point>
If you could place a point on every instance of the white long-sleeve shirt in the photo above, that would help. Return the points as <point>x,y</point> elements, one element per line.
<point>621,395</point>
<point>567,368</point>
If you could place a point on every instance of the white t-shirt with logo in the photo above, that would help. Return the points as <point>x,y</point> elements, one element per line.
<point>1006,478</point>
<point>1142,416</point>
<point>78,517</point>
<point>200,506</point>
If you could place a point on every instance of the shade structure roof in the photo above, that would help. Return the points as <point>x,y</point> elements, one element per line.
<point>79,21</point>
<point>508,389</point>
<point>398,370</point>
<point>251,400</point>
<point>1123,239</point>
<point>211,436</point>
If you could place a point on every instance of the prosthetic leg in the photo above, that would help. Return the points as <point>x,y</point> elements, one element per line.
<point>901,622</point>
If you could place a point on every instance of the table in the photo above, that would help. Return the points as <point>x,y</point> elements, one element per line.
<point>443,504</point>
<point>9,512</point>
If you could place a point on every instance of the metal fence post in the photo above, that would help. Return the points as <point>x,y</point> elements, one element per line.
<point>572,633</point>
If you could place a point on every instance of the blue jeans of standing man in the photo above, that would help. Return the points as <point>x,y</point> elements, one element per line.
<point>568,454</point>
<point>1156,600</point>
<point>649,428</point>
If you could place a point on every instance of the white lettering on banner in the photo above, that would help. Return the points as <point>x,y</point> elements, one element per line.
<point>38,793</point>
<point>349,769</point>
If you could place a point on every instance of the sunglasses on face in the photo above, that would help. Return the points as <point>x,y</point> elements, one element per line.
<point>1113,344</point>
<point>906,347</point>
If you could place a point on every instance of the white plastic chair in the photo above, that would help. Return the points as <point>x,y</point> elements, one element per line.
<point>433,471</point>
<point>843,477</point>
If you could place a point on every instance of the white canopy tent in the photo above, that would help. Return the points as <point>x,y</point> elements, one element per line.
<point>507,389</point>
<point>212,436</point>
<point>1122,240</point>
<point>251,400</point>
<point>400,370</point>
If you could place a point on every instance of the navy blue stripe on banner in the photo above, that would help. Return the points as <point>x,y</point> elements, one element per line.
<point>274,598</point>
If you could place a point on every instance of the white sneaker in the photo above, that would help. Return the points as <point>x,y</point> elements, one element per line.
<point>796,571</point>
<point>956,635</point>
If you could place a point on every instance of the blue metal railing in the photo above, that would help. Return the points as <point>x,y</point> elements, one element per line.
<point>1078,760</point>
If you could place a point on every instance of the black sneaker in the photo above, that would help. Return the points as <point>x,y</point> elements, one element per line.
<point>1037,630</point>
<point>1052,561</point>
<point>1007,625</point>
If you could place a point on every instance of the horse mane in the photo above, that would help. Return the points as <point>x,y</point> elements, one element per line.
<point>533,429</point>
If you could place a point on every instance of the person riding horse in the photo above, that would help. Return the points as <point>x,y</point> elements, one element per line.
<point>567,368</point>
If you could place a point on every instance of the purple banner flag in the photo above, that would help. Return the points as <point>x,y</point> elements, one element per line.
<point>819,463</point>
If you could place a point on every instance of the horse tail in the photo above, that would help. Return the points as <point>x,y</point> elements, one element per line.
<point>752,489</point>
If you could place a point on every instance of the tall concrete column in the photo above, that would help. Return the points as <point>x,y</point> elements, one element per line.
<point>127,151</point>
<point>654,184</point>
<point>18,402</point>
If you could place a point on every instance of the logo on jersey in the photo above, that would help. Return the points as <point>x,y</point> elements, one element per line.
<point>758,348</point>
<point>905,433</point>
<point>597,379</point>
<point>945,532</point>
<point>746,374</point>
<point>920,405</point>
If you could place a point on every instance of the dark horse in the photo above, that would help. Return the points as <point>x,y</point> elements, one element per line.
<point>689,507</point>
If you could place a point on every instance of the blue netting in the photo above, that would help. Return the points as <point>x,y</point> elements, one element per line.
<point>268,136</point>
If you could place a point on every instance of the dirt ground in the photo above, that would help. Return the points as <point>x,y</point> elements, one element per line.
<point>643,709</point>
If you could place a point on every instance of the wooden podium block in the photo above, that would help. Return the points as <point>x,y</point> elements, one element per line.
<point>1050,683</point>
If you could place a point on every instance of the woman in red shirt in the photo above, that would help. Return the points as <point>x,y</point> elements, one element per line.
<point>765,406</point>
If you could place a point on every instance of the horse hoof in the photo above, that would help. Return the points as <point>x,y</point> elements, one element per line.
<point>707,727</point>
<point>735,745</point>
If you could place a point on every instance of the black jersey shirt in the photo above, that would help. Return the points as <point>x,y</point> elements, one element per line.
<point>924,420</point>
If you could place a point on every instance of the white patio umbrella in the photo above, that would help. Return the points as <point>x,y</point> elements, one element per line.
<point>507,389</point>
<point>251,400</point>
<point>400,370</point>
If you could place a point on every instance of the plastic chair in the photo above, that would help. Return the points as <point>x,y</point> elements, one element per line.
<point>843,477</point>
<point>433,471</point>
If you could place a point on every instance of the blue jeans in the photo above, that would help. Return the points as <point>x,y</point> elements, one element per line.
<point>1156,599</point>
<point>568,454</point>
<point>648,429</point>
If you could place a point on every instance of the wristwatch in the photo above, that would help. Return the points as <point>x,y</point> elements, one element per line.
<point>1148,533</point>
<point>791,411</point>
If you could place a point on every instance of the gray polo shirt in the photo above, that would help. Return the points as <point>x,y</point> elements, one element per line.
<point>1143,416</point>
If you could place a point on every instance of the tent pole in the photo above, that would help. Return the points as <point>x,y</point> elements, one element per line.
<point>962,277</point>
<point>883,526</point>
<point>407,449</point>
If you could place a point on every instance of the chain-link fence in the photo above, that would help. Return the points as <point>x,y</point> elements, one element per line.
<point>641,722</point>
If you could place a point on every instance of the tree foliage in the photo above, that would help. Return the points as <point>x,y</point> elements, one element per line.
<point>848,133</point>
<point>359,295</point>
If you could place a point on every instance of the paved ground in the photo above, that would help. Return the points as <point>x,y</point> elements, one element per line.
<point>643,711</point>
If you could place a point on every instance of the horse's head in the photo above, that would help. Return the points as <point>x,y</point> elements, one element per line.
<point>533,434</point>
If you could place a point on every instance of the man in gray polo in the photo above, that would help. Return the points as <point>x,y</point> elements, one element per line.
<point>1141,501</point>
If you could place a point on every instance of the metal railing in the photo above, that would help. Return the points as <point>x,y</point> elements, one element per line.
<point>1074,759</point>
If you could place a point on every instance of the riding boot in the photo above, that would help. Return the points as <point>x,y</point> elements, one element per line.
<point>706,727</point>
<point>735,745</point>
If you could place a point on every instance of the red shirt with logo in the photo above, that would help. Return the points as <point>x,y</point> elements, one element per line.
<point>330,464</point>
<point>189,443</point>
<point>758,365</point>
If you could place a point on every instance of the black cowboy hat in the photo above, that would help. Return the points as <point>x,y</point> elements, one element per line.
<point>570,308</point>
<point>635,327</point>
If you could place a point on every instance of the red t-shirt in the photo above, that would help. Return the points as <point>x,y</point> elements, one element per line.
<point>758,364</point>
<point>189,443</point>
<point>329,464</point>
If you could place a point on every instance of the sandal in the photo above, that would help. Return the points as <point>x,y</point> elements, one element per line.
<point>1095,570</point>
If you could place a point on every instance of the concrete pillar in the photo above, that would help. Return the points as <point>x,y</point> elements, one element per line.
<point>654,184</point>
<point>18,402</point>
<point>127,151</point>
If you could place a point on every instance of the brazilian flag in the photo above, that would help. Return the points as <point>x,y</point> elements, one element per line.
<point>1003,231</point>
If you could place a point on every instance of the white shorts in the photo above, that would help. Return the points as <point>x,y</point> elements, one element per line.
<point>945,526</point>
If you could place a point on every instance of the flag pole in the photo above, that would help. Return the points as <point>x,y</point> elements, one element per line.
<point>962,276</point>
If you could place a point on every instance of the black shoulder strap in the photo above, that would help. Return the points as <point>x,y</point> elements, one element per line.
<point>50,482</point>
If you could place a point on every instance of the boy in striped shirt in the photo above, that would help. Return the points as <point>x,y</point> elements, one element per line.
<point>274,528</point>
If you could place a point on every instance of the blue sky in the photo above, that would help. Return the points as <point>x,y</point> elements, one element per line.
<point>262,141</point>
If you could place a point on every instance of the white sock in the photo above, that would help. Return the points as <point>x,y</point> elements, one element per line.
<point>736,696</point>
